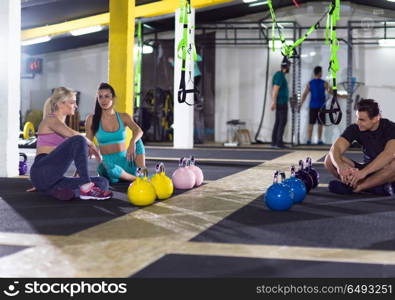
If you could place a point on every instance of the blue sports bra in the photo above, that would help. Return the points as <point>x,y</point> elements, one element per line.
<point>111,137</point>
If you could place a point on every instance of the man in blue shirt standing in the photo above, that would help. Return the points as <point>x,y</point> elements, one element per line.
<point>317,87</point>
<point>280,97</point>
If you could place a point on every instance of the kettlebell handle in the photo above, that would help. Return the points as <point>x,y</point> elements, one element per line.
<point>192,160</point>
<point>160,167</point>
<point>142,172</point>
<point>182,162</point>
<point>301,165</point>
<point>23,155</point>
<point>293,171</point>
<point>276,174</point>
<point>309,163</point>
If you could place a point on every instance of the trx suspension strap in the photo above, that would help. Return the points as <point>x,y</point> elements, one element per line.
<point>335,113</point>
<point>186,48</point>
<point>137,71</point>
<point>289,50</point>
<point>333,15</point>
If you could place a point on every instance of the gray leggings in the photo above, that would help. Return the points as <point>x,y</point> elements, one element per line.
<point>47,171</point>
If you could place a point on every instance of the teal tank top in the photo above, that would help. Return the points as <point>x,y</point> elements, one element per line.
<point>111,137</point>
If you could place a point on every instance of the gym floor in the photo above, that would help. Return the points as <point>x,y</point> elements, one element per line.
<point>221,229</point>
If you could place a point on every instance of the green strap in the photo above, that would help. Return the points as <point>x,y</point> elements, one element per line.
<point>289,50</point>
<point>333,17</point>
<point>184,49</point>
<point>184,46</point>
<point>137,72</point>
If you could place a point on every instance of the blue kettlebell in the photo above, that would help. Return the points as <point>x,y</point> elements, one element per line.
<point>22,164</point>
<point>297,187</point>
<point>313,172</point>
<point>278,196</point>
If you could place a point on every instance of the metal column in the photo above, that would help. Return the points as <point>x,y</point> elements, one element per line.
<point>296,90</point>
<point>349,74</point>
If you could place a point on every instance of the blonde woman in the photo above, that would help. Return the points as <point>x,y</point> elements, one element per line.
<point>58,146</point>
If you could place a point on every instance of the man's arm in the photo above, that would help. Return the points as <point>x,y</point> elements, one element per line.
<point>336,152</point>
<point>276,89</point>
<point>382,160</point>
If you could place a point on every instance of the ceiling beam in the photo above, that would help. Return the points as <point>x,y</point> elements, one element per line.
<point>142,11</point>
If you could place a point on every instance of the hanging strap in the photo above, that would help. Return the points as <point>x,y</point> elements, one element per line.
<point>290,50</point>
<point>184,49</point>
<point>335,113</point>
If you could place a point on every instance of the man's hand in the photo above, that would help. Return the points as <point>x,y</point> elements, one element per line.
<point>345,173</point>
<point>273,107</point>
<point>130,153</point>
<point>357,176</point>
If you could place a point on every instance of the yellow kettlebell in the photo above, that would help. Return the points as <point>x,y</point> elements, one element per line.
<point>141,192</point>
<point>163,185</point>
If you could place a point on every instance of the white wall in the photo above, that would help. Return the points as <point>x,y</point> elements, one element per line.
<point>80,69</point>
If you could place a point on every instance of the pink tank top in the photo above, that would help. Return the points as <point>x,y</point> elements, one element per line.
<point>49,139</point>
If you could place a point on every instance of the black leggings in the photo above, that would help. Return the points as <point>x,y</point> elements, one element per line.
<point>47,171</point>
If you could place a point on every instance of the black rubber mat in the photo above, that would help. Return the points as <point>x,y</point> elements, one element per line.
<point>34,213</point>
<point>324,219</point>
<point>24,212</point>
<point>203,266</point>
<point>321,221</point>
<point>7,250</point>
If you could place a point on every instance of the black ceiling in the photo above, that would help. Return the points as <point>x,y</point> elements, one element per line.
<point>37,13</point>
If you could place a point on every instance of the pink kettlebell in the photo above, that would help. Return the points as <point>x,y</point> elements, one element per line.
<point>183,178</point>
<point>196,170</point>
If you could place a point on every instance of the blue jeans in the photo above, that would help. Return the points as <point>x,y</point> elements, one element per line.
<point>47,171</point>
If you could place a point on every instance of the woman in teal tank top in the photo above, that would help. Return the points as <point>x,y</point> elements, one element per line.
<point>119,159</point>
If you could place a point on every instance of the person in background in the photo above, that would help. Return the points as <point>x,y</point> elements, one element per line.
<point>280,100</point>
<point>317,87</point>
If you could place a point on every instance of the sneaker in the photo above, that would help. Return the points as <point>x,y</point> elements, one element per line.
<point>282,146</point>
<point>308,142</point>
<point>382,190</point>
<point>338,187</point>
<point>63,194</point>
<point>320,143</point>
<point>95,193</point>
<point>274,146</point>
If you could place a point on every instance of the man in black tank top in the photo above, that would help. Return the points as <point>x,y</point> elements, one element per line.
<point>377,137</point>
